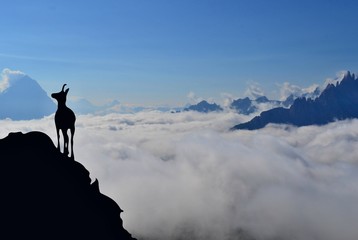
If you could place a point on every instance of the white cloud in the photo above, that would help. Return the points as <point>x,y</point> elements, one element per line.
<point>287,89</point>
<point>254,91</point>
<point>8,77</point>
<point>227,99</point>
<point>184,174</point>
<point>193,98</point>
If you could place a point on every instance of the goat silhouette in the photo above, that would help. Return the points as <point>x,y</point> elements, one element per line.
<point>64,120</point>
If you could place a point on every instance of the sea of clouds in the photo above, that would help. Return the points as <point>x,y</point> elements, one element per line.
<point>186,176</point>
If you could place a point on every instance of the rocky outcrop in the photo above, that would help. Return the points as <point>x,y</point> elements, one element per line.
<point>46,195</point>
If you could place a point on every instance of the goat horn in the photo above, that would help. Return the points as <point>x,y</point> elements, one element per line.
<point>63,87</point>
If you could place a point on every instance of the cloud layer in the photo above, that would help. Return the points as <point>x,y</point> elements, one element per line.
<point>184,176</point>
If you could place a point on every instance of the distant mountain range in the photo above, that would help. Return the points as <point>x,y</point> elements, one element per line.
<point>244,106</point>
<point>337,102</point>
<point>24,99</point>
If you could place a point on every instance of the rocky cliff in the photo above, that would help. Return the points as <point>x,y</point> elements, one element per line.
<point>46,195</point>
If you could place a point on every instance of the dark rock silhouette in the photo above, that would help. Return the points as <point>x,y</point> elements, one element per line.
<point>336,102</point>
<point>243,106</point>
<point>47,195</point>
<point>247,106</point>
<point>262,99</point>
<point>64,120</point>
<point>24,99</point>
<point>204,107</point>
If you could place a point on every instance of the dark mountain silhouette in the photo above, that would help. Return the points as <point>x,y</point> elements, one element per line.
<point>24,99</point>
<point>247,106</point>
<point>243,106</point>
<point>337,102</point>
<point>262,99</point>
<point>204,107</point>
<point>47,195</point>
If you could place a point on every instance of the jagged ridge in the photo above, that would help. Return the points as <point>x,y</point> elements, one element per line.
<point>336,102</point>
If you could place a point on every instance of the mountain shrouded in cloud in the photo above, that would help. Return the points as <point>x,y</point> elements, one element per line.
<point>247,106</point>
<point>204,107</point>
<point>338,101</point>
<point>244,106</point>
<point>22,98</point>
<point>288,90</point>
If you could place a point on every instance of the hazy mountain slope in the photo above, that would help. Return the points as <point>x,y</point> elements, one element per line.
<point>24,99</point>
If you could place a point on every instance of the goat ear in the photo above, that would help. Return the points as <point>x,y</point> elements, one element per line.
<point>66,91</point>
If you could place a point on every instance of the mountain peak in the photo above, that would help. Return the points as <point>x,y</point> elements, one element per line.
<point>22,98</point>
<point>205,107</point>
<point>348,76</point>
<point>10,78</point>
<point>262,99</point>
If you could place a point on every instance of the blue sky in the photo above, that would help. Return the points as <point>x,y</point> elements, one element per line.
<point>157,51</point>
